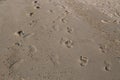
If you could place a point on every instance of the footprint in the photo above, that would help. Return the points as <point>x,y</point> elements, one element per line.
<point>35,2</point>
<point>30,14</point>
<point>37,7</point>
<point>18,44</point>
<point>23,34</point>
<point>63,20</point>
<point>107,66</point>
<point>66,12</point>
<point>20,33</point>
<point>67,42</point>
<point>33,22</point>
<point>69,30</point>
<point>103,48</point>
<point>83,61</point>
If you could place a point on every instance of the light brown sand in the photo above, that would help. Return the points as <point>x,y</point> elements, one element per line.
<point>59,39</point>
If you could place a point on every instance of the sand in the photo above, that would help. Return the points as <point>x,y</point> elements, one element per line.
<point>59,39</point>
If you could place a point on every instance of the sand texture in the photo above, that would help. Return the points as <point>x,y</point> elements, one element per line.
<point>59,39</point>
